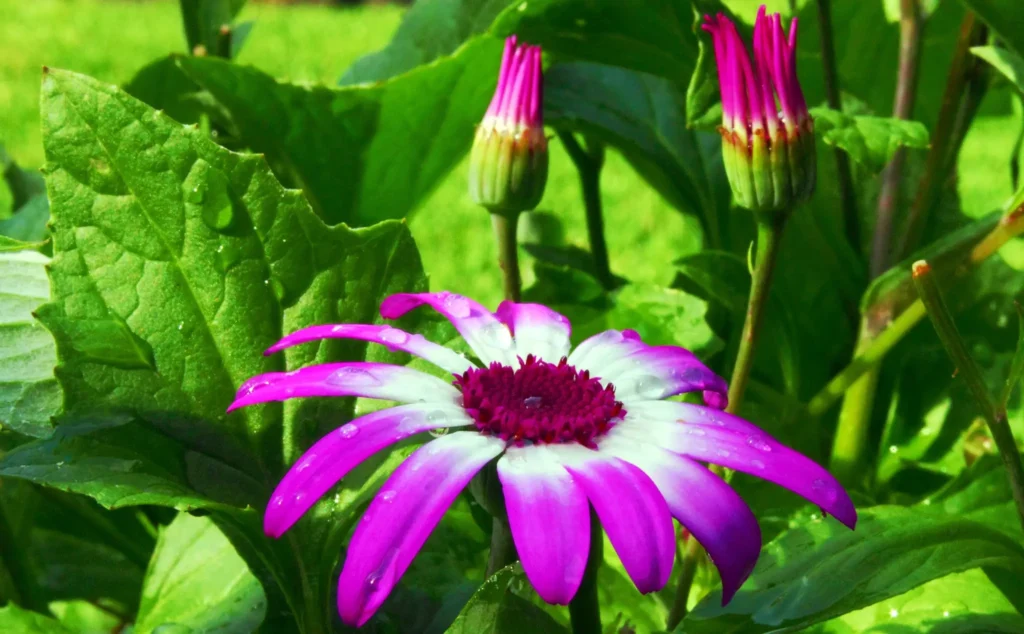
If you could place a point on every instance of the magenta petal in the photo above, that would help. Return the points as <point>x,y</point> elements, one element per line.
<point>656,372</point>
<point>715,515</point>
<point>490,339</point>
<point>632,511</point>
<point>393,338</point>
<point>601,350</point>
<point>401,517</point>
<point>757,453</point>
<point>550,521</point>
<point>369,380</point>
<point>337,453</point>
<point>537,330</point>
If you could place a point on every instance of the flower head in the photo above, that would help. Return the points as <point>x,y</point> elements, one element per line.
<point>767,133</point>
<point>569,429</point>
<point>508,166</point>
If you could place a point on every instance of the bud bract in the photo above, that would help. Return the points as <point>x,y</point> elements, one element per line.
<point>508,166</point>
<point>767,133</point>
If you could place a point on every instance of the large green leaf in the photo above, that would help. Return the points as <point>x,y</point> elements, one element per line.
<point>362,153</point>
<point>29,394</point>
<point>1005,19</point>
<point>1006,61</point>
<point>429,29</point>
<point>871,141</point>
<point>496,608</point>
<point>652,37</point>
<point>18,621</point>
<point>821,570</point>
<point>176,264</point>
<point>197,580</point>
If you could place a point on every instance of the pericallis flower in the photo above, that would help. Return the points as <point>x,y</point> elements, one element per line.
<point>508,166</point>
<point>767,133</point>
<point>570,431</point>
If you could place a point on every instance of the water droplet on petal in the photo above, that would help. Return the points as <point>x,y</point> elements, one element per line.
<point>650,387</point>
<point>758,443</point>
<point>348,431</point>
<point>384,573</point>
<point>388,496</point>
<point>304,464</point>
<point>335,330</point>
<point>394,336</point>
<point>351,376</point>
<point>693,430</point>
<point>458,306</point>
<point>533,402</point>
<point>757,464</point>
<point>723,453</point>
<point>496,335</point>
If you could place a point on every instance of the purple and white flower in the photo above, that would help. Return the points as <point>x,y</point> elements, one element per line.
<point>570,429</point>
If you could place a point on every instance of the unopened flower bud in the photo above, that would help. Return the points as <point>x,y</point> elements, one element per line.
<point>767,133</point>
<point>508,166</point>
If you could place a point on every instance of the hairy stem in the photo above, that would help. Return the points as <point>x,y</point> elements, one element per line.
<point>967,368</point>
<point>589,161</point>
<point>844,175</point>
<point>508,254</point>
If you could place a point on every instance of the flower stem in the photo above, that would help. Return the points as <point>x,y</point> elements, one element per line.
<point>769,236</point>
<point>911,25</point>
<point>844,175</point>
<point>968,368</point>
<point>585,609</point>
<point>877,342</point>
<point>686,575</point>
<point>508,254</point>
<point>589,162</point>
<point>503,549</point>
<point>943,143</point>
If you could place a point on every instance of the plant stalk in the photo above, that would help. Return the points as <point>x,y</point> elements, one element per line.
<point>589,161</point>
<point>844,174</point>
<point>585,608</point>
<point>911,25</point>
<point>769,237</point>
<point>508,254</point>
<point>885,337</point>
<point>503,549</point>
<point>968,369</point>
<point>937,165</point>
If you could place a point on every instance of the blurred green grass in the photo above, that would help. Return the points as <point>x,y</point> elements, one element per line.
<point>112,39</point>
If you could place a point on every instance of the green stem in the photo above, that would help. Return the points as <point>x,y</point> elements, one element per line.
<point>967,368</point>
<point>224,36</point>
<point>937,164</point>
<point>589,163</point>
<point>911,25</point>
<point>844,174</point>
<point>508,254</point>
<point>585,609</point>
<point>769,236</point>
<point>190,19</point>
<point>503,549</point>
<point>688,570</point>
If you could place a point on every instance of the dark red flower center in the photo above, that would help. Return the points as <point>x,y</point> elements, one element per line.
<point>540,402</point>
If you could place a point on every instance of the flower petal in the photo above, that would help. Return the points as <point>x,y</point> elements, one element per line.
<point>605,348</point>
<point>537,330</point>
<point>675,412</point>
<point>550,521</point>
<point>403,514</point>
<point>632,511</point>
<point>758,454</point>
<point>337,453</point>
<point>486,335</point>
<point>393,338</point>
<point>656,372</point>
<point>369,380</point>
<point>705,504</point>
